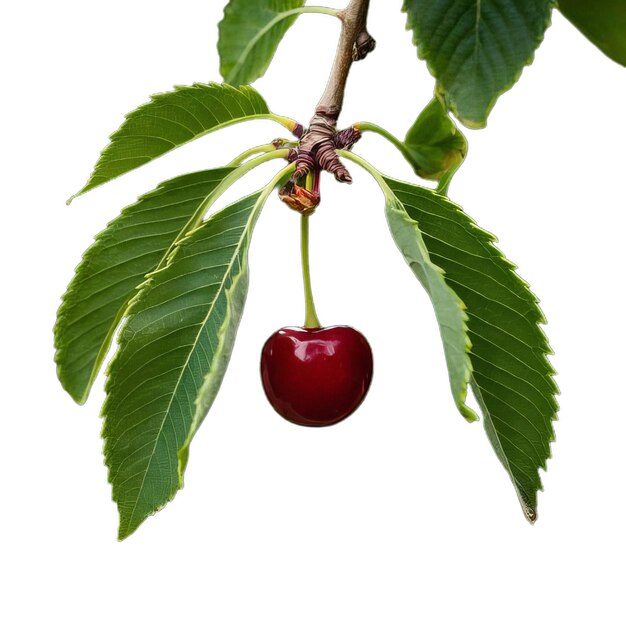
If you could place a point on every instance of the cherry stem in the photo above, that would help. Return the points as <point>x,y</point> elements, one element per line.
<point>310,320</point>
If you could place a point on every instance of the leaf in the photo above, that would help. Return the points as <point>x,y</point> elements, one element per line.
<point>603,22</point>
<point>249,35</point>
<point>512,377</point>
<point>434,142</point>
<point>132,245</point>
<point>173,352</point>
<point>476,49</point>
<point>170,120</point>
<point>449,309</point>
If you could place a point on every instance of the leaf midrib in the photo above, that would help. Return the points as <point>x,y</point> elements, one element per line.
<point>95,181</point>
<point>477,36</point>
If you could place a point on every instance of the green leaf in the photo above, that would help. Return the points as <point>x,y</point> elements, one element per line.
<point>434,142</point>
<point>132,245</point>
<point>476,49</point>
<point>173,352</point>
<point>170,120</point>
<point>249,35</point>
<point>449,309</point>
<point>512,377</point>
<point>603,22</point>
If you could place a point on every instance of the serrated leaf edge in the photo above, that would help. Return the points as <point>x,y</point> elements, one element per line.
<point>530,511</point>
<point>231,77</point>
<point>459,395</point>
<point>136,301</point>
<point>246,90</point>
<point>440,90</point>
<point>123,532</point>
<point>392,200</point>
<point>122,311</point>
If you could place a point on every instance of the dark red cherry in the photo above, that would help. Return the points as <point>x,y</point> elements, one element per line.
<point>316,376</point>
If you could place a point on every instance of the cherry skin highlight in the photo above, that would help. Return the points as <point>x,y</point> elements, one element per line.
<point>316,376</point>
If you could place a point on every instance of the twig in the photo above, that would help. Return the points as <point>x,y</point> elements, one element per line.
<point>354,44</point>
<point>318,144</point>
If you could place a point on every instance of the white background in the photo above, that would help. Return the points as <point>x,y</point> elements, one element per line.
<point>401,514</point>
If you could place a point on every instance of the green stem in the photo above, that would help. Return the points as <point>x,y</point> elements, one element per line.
<point>279,179</point>
<point>321,10</point>
<point>267,147</point>
<point>210,200</point>
<point>444,181</point>
<point>365,127</point>
<point>239,159</point>
<point>287,122</point>
<point>310,320</point>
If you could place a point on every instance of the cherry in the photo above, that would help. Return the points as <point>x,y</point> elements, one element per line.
<point>316,376</point>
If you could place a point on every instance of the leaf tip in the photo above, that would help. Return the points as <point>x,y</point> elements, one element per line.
<point>470,122</point>
<point>528,501</point>
<point>470,415</point>
<point>126,529</point>
<point>74,390</point>
<point>79,399</point>
<point>183,459</point>
<point>530,513</point>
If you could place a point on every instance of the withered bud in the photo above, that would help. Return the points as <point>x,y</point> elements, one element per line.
<point>298,198</point>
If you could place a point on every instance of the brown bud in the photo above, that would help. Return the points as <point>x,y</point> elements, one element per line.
<point>363,45</point>
<point>298,198</point>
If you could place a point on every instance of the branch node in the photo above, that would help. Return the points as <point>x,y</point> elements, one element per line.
<point>319,143</point>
